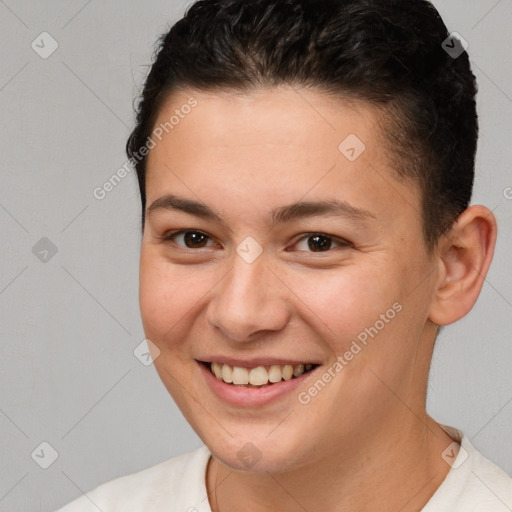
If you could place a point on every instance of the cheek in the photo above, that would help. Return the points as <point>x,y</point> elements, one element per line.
<point>167,296</point>
<point>345,301</point>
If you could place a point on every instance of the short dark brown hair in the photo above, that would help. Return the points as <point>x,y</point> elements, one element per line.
<point>386,52</point>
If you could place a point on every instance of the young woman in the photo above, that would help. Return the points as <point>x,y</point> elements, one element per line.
<point>305,170</point>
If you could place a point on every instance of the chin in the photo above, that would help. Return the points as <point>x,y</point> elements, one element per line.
<point>258,453</point>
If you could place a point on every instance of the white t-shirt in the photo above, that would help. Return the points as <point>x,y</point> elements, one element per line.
<point>473,484</point>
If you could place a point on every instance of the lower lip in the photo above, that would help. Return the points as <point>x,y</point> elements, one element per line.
<point>251,397</point>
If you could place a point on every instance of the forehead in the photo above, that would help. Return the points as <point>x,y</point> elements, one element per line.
<point>283,144</point>
<point>277,116</point>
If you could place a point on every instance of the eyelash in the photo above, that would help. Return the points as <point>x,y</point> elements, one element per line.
<point>343,244</point>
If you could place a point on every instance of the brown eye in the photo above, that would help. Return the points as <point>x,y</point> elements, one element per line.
<point>190,239</point>
<point>320,242</point>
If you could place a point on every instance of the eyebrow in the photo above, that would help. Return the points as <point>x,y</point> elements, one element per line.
<point>280,215</point>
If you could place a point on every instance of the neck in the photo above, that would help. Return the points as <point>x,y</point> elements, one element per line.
<point>397,468</point>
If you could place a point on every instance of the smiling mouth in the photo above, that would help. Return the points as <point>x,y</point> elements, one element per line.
<point>259,376</point>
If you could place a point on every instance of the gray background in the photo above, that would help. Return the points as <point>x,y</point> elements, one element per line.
<point>69,326</point>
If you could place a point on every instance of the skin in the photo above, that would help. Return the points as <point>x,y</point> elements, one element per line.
<point>365,442</point>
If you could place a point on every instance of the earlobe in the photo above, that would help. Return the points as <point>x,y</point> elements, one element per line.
<point>464,258</point>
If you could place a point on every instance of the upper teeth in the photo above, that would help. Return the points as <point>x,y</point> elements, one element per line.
<point>258,376</point>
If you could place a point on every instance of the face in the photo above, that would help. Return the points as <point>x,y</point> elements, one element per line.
<point>271,240</point>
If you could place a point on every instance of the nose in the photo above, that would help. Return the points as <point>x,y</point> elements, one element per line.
<point>249,300</point>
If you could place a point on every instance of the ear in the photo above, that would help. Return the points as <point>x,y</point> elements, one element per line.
<point>463,257</point>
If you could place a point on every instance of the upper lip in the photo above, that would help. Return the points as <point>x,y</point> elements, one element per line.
<point>254,362</point>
